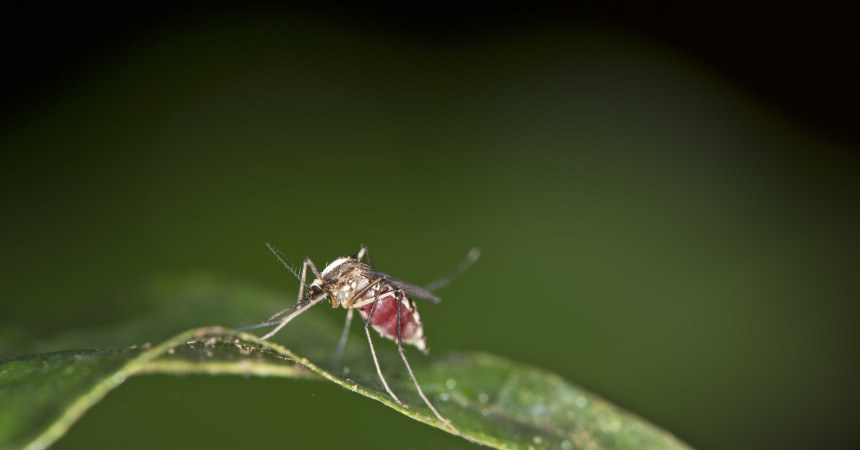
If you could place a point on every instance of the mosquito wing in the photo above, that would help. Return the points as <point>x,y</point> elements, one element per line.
<point>405,286</point>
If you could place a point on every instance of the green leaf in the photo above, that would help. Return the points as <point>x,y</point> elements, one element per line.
<point>492,400</point>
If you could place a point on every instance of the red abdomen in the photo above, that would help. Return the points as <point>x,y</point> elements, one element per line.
<point>384,318</point>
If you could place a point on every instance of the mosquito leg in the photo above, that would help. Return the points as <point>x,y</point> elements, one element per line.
<point>283,260</point>
<point>364,253</point>
<point>379,371</point>
<point>409,368</point>
<point>352,300</point>
<point>372,309</point>
<point>342,342</point>
<point>304,277</point>
<point>471,257</point>
<point>301,293</point>
<point>373,351</point>
<point>310,263</point>
<point>274,316</point>
<point>295,313</point>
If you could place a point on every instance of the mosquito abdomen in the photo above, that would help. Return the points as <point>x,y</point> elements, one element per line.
<point>384,318</point>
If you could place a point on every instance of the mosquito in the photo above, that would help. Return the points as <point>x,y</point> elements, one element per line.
<point>383,301</point>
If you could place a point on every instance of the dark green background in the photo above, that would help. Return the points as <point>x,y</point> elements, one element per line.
<point>649,230</point>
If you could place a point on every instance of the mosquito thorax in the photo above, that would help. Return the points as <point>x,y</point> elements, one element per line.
<point>343,278</point>
<point>336,269</point>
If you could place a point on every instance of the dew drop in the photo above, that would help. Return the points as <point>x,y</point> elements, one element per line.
<point>451,383</point>
<point>581,402</point>
<point>444,396</point>
<point>566,445</point>
<point>483,398</point>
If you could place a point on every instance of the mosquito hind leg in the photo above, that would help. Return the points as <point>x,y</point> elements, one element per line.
<point>373,351</point>
<point>470,259</point>
<point>409,369</point>
<point>379,371</point>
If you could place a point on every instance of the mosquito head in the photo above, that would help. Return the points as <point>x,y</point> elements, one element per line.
<point>316,289</point>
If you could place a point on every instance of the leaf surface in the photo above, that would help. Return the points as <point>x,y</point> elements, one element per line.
<point>494,401</point>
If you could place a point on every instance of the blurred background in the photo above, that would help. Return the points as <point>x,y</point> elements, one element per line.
<point>666,200</point>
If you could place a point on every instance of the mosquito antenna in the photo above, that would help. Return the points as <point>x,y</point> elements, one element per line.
<point>278,254</point>
<point>470,259</point>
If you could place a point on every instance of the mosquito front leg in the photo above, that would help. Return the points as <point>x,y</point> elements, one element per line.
<point>302,281</point>
<point>307,304</point>
<point>364,253</point>
<point>303,278</point>
<point>274,316</point>
<point>301,300</point>
<point>316,272</point>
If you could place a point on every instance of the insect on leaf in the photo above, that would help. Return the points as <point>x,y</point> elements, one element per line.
<point>492,400</point>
